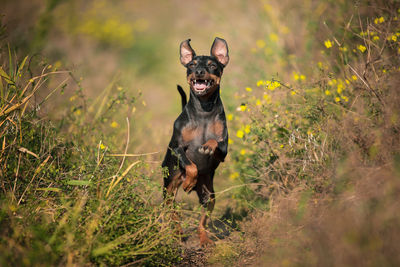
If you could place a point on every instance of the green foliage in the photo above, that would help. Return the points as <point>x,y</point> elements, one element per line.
<point>65,200</point>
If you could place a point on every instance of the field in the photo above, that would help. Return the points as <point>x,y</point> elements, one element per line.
<point>88,100</point>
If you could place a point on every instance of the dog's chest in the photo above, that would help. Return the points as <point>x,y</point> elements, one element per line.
<point>196,133</point>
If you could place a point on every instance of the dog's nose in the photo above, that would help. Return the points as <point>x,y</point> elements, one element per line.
<point>200,72</point>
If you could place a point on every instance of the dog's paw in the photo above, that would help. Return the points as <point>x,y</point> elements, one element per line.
<point>190,178</point>
<point>209,147</point>
<point>205,150</point>
<point>205,241</point>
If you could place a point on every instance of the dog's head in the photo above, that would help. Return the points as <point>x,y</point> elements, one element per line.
<point>204,72</point>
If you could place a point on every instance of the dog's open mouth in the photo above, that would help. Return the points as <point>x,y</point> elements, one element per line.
<point>200,85</point>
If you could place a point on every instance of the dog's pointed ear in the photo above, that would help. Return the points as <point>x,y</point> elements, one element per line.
<point>186,52</point>
<point>219,49</point>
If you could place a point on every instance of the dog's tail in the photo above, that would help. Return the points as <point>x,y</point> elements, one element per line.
<point>183,96</point>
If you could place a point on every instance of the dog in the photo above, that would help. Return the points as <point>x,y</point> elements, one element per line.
<point>199,141</point>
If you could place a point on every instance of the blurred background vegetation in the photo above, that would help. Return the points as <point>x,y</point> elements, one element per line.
<point>312,101</point>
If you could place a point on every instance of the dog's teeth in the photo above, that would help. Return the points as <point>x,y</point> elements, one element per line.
<point>195,81</point>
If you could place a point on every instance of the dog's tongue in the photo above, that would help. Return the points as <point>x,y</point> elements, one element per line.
<point>200,86</point>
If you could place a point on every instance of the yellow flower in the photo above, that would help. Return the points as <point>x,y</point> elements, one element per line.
<point>230,141</point>
<point>260,43</point>
<point>72,98</point>
<point>394,38</point>
<point>234,176</point>
<point>102,147</point>
<point>229,117</point>
<point>78,112</point>
<point>327,92</point>
<point>293,92</point>
<point>248,89</point>
<point>114,124</point>
<point>267,98</point>
<point>119,88</point>
<point>375,38</point>
<point>260,82</point>
<point>344,49</point>
<point>296,76</point>
<point>240,133</point>
<point>362,48</point>
<point>242,107</point>
<point>319,64</point>
<point>328,44</point>
<point>379,20</point>
<point>337,99</point>
<point>354,77</point>
<point>273,37</point>
<point>345,98</point>
<point>258,102</point>
<point>247,129</point>
<point>302,77</point>
<point>340,88</point>
<point>273,85</point>
<point>242,151</point>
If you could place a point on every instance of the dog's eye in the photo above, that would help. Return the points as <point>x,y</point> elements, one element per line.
<point>191,65</point>
<point>212,66</point>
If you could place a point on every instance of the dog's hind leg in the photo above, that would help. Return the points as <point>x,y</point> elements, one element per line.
<point>171,186</point>
<point>205,192</point>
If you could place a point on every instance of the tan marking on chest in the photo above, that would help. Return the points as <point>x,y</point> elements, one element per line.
<point>189,133</point>
<point>217,128</point>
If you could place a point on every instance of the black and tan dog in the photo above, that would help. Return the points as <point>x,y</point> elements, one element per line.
<point>200,137</point>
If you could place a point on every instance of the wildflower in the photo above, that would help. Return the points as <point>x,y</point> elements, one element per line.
<point>375,38</point>
<point>102,147</point>
<point>347,81</point>
<point>72,98</point>
<point>343,49</point>
<point>345,98</point>
<point>293,92</point>
<point>337,99</point>
<point>234,176</point>
<point>248,89</point>
<point>247,129</point>
<point>242,151</point>
<point>340,88</point>
<point>267,98</point>
<point>327,92</point>
<point>379,20</point>
<point>78,112</point>
<point>354,77</point>
<point>273,85</point>
<point>281,146</point>
<point>362,48</point>
<point>260,43</point>
<point>230,141</point>
<point>319,64</point>
<point>240,133</point>
<point>260,82</point>
<point>144,103</point>
<point>242,107</point>
<point>119,88</point>
<point>302,77</point>
<point>258,102</point>
<point>393,38</point>
<point>328,44</point>
<point>273,37</point>
<point>229,117</point>
<point>114,124</point>
<point>296,76</point>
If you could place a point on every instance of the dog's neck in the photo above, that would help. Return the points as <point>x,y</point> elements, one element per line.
<point>204,104</point>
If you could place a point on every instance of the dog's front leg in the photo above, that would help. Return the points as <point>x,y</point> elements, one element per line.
<point>190,173</point>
